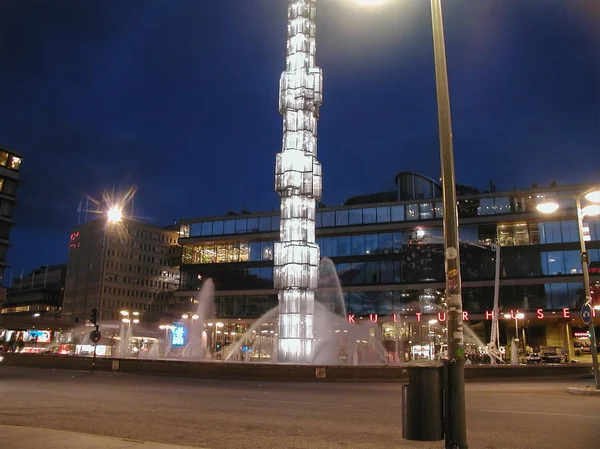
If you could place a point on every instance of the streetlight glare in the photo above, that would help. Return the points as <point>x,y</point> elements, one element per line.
<point>433,321</point>
<point>124,312</point>
<point>520,316</point>
<point>507,315</point>
<point>591,210</point>
<point>547,207</point>
<point>593,196</point>
<point>114,215</point>
<point>370,2</point>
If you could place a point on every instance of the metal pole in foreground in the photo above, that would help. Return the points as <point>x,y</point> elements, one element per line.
<point>456,426</point>
<point>587,292</point>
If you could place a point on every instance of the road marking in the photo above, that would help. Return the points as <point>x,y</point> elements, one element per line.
<point>295,402</point>
<point>541,413</point>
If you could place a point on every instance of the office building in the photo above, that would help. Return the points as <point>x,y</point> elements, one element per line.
<point>122,266</point>
<point>387,249</point>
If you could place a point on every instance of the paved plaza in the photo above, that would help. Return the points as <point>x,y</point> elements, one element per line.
<point>220,414</point>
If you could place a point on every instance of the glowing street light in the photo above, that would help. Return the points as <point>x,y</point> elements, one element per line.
<point>592,195</point>
<point>114,214</point>
<point>370,2</point>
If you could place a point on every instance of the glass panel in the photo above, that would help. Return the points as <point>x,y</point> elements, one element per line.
<point>423,188</point>
<point>344,245</point>
<point>371,243</point>
<point>552,263</point>
<point>386,272</point>
<point>266,273</point>
<point>371,270</point>
<point>217,228</point>
<point>397,213</point>
<point>207,228</point>
<point>267,250</point>
<point>439,209</point>
<point>275,223</point>
<point>355,216</point>
<point>572,262</point>
<point>240,225</point>
<point>398,241</point>
<point>359,273</point>
<point>412,211</point>
<point>383,214</point>
<point>358,245</point>
<point>341,218</point>
<point>264,224</point>
<point>195,229</point>
<point>229,227</point>
<point>502,204</point>
<point>328,219</point>
<point>570,233</point>
<point>252,225</point>
<point>330,246</point>
<point>184,230</point>
<point>255,251</point>
<point>244,252</point>
<point>221,253</point>
<point>486,206</point>
<point>321,243</point>
<point>318,219</point>
<point>550,232</point>
<point>369,215</point>
<point>426,211</point>
<point>386,243</point>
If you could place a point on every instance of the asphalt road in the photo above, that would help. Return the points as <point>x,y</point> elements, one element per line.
<point>219,414</point>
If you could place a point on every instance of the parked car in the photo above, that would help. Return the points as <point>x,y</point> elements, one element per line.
<point>533,357</point>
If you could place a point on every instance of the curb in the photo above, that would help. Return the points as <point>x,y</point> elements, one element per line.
<point>585,391</point>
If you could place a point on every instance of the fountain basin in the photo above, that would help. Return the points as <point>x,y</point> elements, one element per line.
<point>291,373</point>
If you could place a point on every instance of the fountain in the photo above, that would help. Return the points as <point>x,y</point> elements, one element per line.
<point>196,348</point>
<point>333,334</point>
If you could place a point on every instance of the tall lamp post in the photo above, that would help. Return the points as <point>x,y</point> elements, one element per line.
<point>456,426</point>
<point>593,196</point>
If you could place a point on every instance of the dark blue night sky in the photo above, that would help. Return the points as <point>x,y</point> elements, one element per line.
<point>179,98</point>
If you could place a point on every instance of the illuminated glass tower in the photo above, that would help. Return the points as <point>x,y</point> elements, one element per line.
<point>298,181</point>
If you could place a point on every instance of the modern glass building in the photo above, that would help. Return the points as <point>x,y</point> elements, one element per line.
<point>387,249</point>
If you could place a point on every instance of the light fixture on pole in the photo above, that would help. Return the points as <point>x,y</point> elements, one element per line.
<point>592,195</point>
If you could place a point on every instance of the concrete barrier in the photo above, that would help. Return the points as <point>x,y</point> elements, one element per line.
<point>293,373</point>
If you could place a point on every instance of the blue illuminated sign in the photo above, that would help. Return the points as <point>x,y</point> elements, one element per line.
<point>178,336</point>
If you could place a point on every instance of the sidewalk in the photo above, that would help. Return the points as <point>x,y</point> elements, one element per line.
<point>17,437</point>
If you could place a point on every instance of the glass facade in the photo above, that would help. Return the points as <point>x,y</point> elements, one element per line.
<point>377,214</point>
<point>536,254</point>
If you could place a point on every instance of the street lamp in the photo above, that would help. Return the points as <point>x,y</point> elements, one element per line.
<point>456,426</point>
<point>515,347</point>
<point>593,196</point>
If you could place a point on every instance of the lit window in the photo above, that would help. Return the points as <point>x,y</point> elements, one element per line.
<point>15,163</point>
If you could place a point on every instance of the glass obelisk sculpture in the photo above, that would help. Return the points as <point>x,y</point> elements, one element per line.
<point>298,181</point>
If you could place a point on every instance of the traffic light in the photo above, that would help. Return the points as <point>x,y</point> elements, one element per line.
<point>94,316</point>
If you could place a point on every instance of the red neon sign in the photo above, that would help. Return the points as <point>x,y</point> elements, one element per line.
<point>488,315</point>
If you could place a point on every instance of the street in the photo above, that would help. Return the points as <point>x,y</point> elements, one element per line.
<point>220,414</point>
